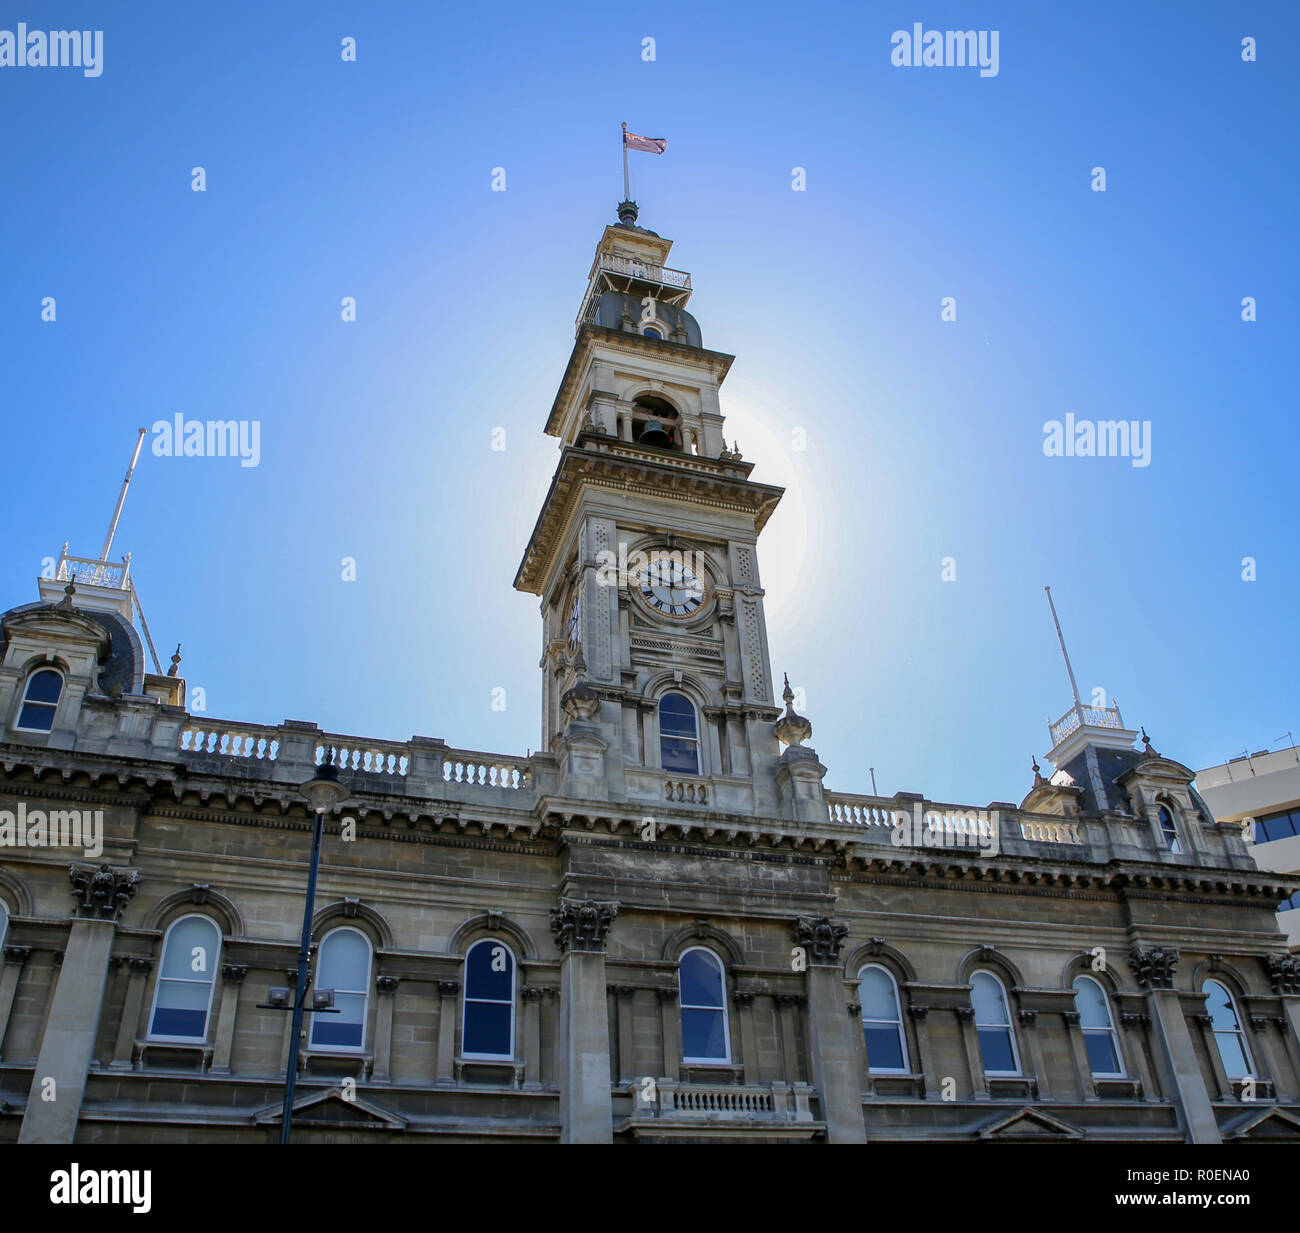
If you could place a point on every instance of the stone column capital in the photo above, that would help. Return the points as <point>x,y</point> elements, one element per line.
<point>17,954</point>
<point>448,988</point>
<point>1283,973</point>
<point>101,892</point>
<point>233,973</point>
<point>582,924</point>
<point>821,937</point>
<point>1153,966</point>
<point>387,984</point>
<point>140,966</point>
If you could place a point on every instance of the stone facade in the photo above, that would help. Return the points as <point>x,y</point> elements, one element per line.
<point>646,851</point>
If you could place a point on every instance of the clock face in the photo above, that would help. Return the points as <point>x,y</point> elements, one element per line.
<point>671,587</point>
<point>575,621</point>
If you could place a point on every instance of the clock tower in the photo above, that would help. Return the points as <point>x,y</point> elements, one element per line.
<point>656,680</point>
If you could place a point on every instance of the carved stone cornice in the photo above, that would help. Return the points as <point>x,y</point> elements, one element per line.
<point>581,924</point>
<point>821,937</point>
<point>100,893</point>
<point>1153,966</point>
<point>1283,973</point>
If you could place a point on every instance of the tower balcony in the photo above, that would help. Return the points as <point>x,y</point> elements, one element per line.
<point>615,272</point>
<point>1085,716</point>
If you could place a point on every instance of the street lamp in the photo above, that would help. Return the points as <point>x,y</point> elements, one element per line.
<point>323,792</point>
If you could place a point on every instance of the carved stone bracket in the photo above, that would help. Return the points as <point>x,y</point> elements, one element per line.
<point>1071,1017</point>
<point>581,924</point>
<point>964,1012</point>
<point>1283,973</point>
<point>101,893</point>
<point>622,991</point>
<point>667,994</point>
<point>1153,966</point>
<point>1027,1017</point>
<point>855,1009</point>
<point>743,997</point>
<point>1134,1018</point>
<point>821,937</point>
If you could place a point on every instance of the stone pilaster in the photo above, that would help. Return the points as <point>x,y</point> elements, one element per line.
<point>385,988</point>
<point>1175,1055</point>
<point>836,1073</point>
<point>15,957</point>
<point>232,981</point>
<point>586,1106</point>
<point>623,995</point>
<point>671,1027</point>
<point>138,968</point>
<point>447,991</point>
<point>532,995</point>
<point>59,1081</point>
<point>744,1002</point>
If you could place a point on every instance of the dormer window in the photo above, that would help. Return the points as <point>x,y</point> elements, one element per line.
<point>40,700</point>
<point>1169,831</point>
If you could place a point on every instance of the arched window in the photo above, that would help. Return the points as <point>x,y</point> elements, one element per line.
<point>1098,1028</point>
<point>488,1026</point>
<point>882,1021</point>
<point>182,999</point>
<point>993,1025</point>
<point>701,980</point>
<point>1228,1035</point>
<point>344,966</point>
<point>651,332</point>
<point>1169,830</point>
<point>679,742</point>
<point>40,700</point>
<point>655,422</point>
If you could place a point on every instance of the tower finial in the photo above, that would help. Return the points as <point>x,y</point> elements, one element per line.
<point>176,662</point>
<point>627,213</point>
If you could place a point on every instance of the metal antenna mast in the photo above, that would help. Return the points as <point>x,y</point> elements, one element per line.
<point>1073,686</point>
<point>121,498</point>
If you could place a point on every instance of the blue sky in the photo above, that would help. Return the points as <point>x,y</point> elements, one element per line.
<point>924,438</point>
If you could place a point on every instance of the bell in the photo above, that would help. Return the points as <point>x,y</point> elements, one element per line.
<point>657,435</point>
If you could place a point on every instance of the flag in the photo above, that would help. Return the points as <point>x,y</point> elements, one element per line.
<point>651,145</point>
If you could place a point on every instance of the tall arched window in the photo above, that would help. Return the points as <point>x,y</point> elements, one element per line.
<point>882,1021</point>
<point>182,999</point>
<point>1228,1035</point>
<point>344,966</point>
<point>679,741</point>
<point>1169,830</point>
<point>488,1026</point>
<point>993,1025</point>
<point>1098,1029</point>
<point>40,700</point>
<point>702,982</point>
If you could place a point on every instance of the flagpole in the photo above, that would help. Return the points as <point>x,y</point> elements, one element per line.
<point>627,192</point>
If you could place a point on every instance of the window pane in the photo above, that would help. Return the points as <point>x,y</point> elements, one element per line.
<point>344,1030</point>
<point>884,1052</point>
<point>996,1050</point>
<point>487,1028</point>
<point>986,997</point>
<point>676,715</point>
<point>1101,1053</point>
<point>876,993</point>
<point>344,962</point>
<point>182,1010</point>
<point>1218,1003</point>
<point>179,959</point>
<point>1234,1057</point>
<point>481,981</point>
<point>679,756</point>
<point>1091,1003</point>
<point>702,1035</point>
<point>701,980</point>
<point>40,718</point>
<point>44,687</point>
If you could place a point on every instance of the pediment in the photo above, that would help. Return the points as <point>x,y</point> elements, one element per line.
<point>331,1108</point>
<point>1267,1126</point>
<point>1028,1123</point>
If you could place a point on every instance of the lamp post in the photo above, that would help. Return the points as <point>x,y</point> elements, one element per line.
<point>323,792</point>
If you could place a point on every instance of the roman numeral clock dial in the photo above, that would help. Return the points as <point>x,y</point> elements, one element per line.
<point>671,588</point>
